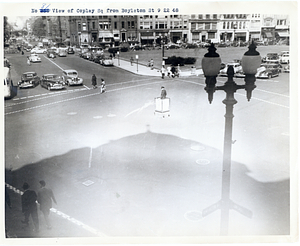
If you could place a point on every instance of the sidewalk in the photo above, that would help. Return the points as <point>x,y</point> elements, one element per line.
<point>141,69</point>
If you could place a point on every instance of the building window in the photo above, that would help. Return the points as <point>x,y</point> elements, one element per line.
<point>207,26</point>
<point>215,16</point>
<point>132,24</point>
<point>93,24</point>
<point>200,17</point>
<point>123,24</point>
<point>224,25</point>
<point>83,26</point>
<point>207,16</point>
<point>193,16</point>
<point>116,25</point>
<point>128,24</point>
<point>79,26</point>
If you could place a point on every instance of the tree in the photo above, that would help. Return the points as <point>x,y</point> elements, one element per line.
<point>7,30</point>
<point>38,27</point>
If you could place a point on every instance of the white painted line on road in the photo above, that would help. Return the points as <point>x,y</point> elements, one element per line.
<point>79,97</point>
<point>244,95</point>
<point>63,215</point>
<point>141,108</point>
<point>53,63</point>
<point>86,87</point>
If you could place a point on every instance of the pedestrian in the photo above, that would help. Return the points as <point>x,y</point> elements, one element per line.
<point>45,197</point>
<point>169,71</point>
<point>94,81</point>
<point>151,63</point>
<point>29,206</point>
<point>131,61</point>
<point>173,71</point>
<point>163,71</point>
<point>163,93</point>
<point>103,86</point>
<point>28,61</point>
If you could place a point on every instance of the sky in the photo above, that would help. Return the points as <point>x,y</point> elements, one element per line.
<point>19,20</point>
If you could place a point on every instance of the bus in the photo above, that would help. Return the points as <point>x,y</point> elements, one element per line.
<point>8,84</point>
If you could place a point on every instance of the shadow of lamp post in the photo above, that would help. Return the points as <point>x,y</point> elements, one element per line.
<point>211,64</point>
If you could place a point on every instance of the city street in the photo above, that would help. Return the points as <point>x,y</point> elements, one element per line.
<point>119,170</point>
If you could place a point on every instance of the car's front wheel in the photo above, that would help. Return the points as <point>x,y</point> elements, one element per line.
<point>269,76</point>
<point>49,88</point>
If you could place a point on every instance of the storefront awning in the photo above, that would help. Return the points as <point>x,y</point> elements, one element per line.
<point>283,34</point>
<point>106,35</point>
<point>268,34</point>
<point>255,35</point>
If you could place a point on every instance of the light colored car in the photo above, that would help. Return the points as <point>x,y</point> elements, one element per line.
<point>285,58</point>
<point>38,50</point>
<point>236,66</point>
<point>52,82</point>
<point>70,77</point>
<point>34,58</point>
<point>106,61</point>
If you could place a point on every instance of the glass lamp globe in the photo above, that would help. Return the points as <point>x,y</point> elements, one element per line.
<point>251,60</point>
<point>211,62</point>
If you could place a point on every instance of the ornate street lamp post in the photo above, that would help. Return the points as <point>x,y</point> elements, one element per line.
<point>211,65</point>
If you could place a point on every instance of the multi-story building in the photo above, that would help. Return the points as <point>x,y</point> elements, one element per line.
<point>153,29</point>
<point>203,27</point>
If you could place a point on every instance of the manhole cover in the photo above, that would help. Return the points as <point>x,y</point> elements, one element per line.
<point>202,162</point>
<point>197,147</point>
<point>193,215</point>
<point>88,182</point>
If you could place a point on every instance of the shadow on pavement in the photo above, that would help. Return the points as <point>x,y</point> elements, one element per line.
<point>147,184</point>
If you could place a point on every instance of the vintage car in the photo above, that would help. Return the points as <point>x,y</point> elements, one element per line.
<point>52,82</point>
<point>106,61</point>
<point>286,69</point>
<point>70,50</point>
<point>70,77</point>
<point>61,52</point>
<point>38,50</point>
<point>236,66</point>
<point>51,53</point>
<point>29,80</point>
<point>271,58</point>
<point>267,71</point>
<point>34,58</point>
<point>285,58</point>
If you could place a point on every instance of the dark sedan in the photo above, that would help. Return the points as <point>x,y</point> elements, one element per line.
<point>268,70</point>
<point>52,82</point>
<point>29,80</point>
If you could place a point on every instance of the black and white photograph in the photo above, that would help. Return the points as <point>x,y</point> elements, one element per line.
<point>156,122</point>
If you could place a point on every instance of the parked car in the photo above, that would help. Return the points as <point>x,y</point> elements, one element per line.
<point>70,77</point>
<point>34,58</point>
<point>286,69</point>
<point>52,82</point>
<point>282,53</point>
<point>236,66</point>
<point>106,61</point>
<point>70,50</point>
<point>38,50</point>
<point>267,71</point>
<point>51,53</point>
<point>29,80</point>
<point>285,58</point>
<point>260,42</point>
<point>271,58</point>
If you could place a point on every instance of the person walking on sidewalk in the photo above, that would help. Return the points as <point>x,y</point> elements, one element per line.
<point>131,61</point>
<point>44,198</point>
<point>163,72</point>
<point>29,206</point>
<point>103,86</point>
<point>94,81</point>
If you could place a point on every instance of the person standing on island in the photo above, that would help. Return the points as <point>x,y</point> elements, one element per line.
<point>163,93</point>
<point>29,206</point>
<point>44,198</point>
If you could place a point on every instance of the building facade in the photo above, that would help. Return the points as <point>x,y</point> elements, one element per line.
<point>153,29</point>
